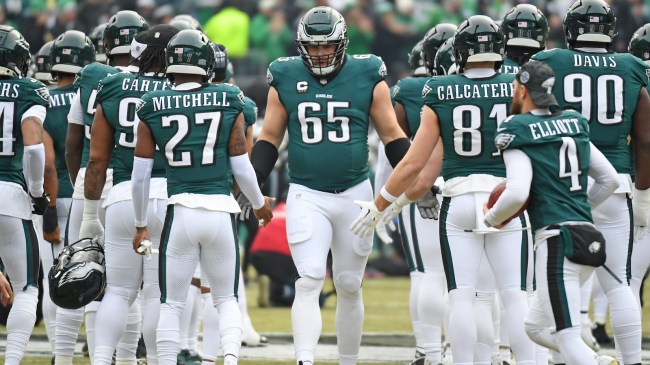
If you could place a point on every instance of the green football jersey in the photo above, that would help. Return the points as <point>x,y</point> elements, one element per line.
<point>558,148</point>
<point>408,92</point>
<point>119,95</point>
<point>509,66</point>
<point>469,111</point>
<point>56,125</point>
<point>604,87</point>
<point>17,95</point>
<point>250,112</point>
<point>327,120</point>
<point>193,127</point>
<point>87,82</point>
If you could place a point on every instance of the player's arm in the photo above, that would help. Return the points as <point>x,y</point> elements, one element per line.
<point>265,150</point>
<point>427,176</point>
<point>383,117</point>
<point>5,291</point>
<point>519,174</point>
<point>413,162</point>
<point>641,140</point>
<point>249,140</point>
<point>51,231</point>
<point>400,113</point>
<point>74,142</point>
<point>34,155</point>
<point>605,177</point>
<point>244,172</point>
<point>145,149</point>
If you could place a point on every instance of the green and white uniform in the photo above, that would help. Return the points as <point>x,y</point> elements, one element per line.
<point>604,88</point>
<point>509,66</point>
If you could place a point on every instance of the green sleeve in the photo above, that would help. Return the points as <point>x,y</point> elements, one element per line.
<point>145,108</point>
<point>250,112</point>
<point>507,133</point>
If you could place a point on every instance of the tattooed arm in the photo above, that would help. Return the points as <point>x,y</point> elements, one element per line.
<point>101,148</point>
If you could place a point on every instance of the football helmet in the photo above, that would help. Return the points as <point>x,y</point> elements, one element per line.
<point>445,62</point>
<point>43,63</point>
<point>432,41</point>
<point>322,26</point>
<point>220,62</point>
<point>185,20</point>
<point>120,30</point>
<point>589,21</point>
<point>640,43</point>
<point>71,51</point>
<point>478,39</point>
<point>97,37</point>
<point>78,275</point>
<point>190,52</point>
<point>416,63</point>
<point>526,30</point>
<point>14,52</point>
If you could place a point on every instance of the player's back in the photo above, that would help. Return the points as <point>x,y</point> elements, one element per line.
<point>87,82</point>
<point>17,96</point>
<point>119,95</point>
<point>56,125</point>
<point>327,120</point>
<point>604,88</point>
<point>469,111</point>
<point>558,148</point>
<point>408,92</point>
<point>193,127</point>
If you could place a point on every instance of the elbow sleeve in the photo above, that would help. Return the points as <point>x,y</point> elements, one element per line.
<point>245,176</point>
<point>140,178</point>
<point>35,169</point>
<point>263,158</point>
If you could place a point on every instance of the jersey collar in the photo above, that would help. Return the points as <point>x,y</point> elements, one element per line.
<point>540,112</point>
<point>187,86</point>
<point>479,73</point>
<point>592,50</point>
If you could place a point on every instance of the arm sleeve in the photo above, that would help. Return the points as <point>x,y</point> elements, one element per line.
<point>604,175</point>
<point>35,169</point>
<point>140,179</point>
<point>36,111</point>
<point>75,115</point>
<point>245,176</point>
<point>519,172</point>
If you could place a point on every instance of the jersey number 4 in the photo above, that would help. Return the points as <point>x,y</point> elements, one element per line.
<point>312,128</point>
<point>569,163</point>
<point>212,119</point>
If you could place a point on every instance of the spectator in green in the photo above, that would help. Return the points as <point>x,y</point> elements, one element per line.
<point>270,33</point>
<point>230,27</point>
<point>361,30</point>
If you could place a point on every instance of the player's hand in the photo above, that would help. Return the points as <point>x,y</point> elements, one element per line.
<point>40,204</point>
<point>265,213</point>
<point>53,237</point>
<point>51,230</point>
<point>245,206</point>
<point>485,210</point>
<point>429,206</point>
<point>365,223</point>
<point>5,291</point>
<point>141,242</point>
<point>385,229</point>
<point>388,217</point>
<point>92,228</point>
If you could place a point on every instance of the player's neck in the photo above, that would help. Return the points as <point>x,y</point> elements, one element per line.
<point>121,60</point>
<point>64,79</point>
<point>186,78</point>
<point>529,107</point>
<point>477,65</point>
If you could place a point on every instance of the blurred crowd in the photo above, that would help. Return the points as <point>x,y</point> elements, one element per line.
<point>259,31</point>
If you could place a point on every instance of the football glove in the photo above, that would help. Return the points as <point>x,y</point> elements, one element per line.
<point>146,249</point>
<point>245,206</point>
<point>641,209</point>
<point>388,217</point>
<point>429,206</point>
<point>40,203</point>
<point>365,223</point>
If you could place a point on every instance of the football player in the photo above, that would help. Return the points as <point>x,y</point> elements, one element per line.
<point>556,146</point>
<point>526,30</point>
<point>325,99</point>
<point>97,37</point>
<point>116,39</point>
<point>70,52</point>
<point>199,188</point>
<point>423,254</point>
<point>23,101</point>
<point>115,129</point>
<point>43,64</point>
<point>640,47</point>
<point>609,89</point>
<point>464,111</point>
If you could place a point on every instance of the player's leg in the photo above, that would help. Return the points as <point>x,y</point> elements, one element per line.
<point>19,253</point>
<point>195,321</point>
<point>223,275</point>
<point>613,218</point>
<point>47,253</point>
<point>484,309</point>
<point>125,351</point>
<point>640,264</point>
<point>188,318</point>
<point>211,336</point>
<point>585,322</point>
<point>461,256</point>
<point>309,233</point>
<point>179,255</point>
<point>600,305</point>
<point>508,255</point>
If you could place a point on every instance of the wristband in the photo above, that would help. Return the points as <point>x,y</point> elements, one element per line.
<point>91,209</point>
<point>384,193</point>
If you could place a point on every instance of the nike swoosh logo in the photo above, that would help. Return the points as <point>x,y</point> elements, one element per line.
<point>501,129</point>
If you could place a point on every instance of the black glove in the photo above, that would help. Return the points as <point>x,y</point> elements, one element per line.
<point>245,206</point>
<point>40,204</point>
<point>50,219</point>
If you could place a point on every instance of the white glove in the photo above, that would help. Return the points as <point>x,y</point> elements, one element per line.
<point>388,216</point>
<point>641,210</point>
<point>146,250</point>
<point>429,206</point>
<point>91,226</point>
<point>365,223</point>
<point>245,206</point>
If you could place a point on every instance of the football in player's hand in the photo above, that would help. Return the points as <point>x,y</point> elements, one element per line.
<point>494,196</point>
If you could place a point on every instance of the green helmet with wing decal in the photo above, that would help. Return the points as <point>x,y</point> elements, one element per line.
<point>190,52</point>
<point>322,26</point>
<point>589,21</point>
<point>71,51</point>
<point>433,40</point>
<point>640,43</point>
<point>44,63</point>
<point>478,39</point>
<point>120,30</point>
<point>14,52</point>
